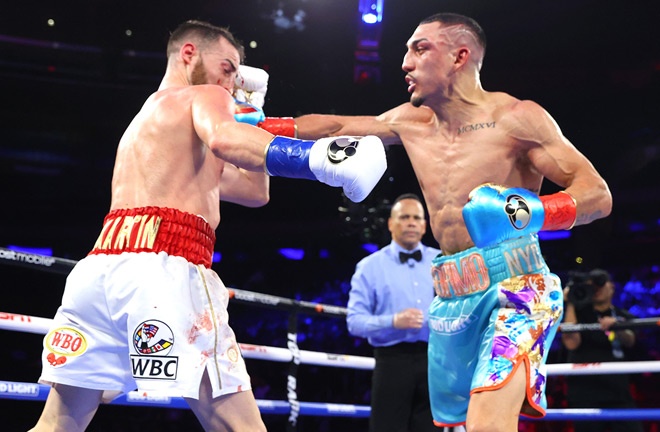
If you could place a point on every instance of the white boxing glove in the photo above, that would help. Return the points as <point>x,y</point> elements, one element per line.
<point>251,85</point>
<point>355,164</point>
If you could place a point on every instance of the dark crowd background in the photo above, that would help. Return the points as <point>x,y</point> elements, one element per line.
<point>69,91</point>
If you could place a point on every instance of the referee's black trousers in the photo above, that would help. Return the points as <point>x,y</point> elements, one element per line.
<point>400,390</point>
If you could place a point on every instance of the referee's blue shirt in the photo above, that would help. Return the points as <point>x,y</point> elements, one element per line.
<point>382,286</point>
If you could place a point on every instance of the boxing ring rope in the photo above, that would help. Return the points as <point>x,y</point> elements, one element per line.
<point>295,357</point>
<point>39,392</point>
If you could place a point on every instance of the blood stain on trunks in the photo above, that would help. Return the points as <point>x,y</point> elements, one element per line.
<point>202,323</point>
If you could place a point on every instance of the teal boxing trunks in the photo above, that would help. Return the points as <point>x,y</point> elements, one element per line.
<point>495,309</point>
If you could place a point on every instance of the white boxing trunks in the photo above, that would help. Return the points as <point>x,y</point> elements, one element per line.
<point>145,311</point>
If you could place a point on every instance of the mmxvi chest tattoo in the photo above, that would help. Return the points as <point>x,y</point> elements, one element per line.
<point>475,126</point>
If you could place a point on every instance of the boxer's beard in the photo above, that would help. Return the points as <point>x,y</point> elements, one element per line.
<point>417,101</point>
<point>198,75</point>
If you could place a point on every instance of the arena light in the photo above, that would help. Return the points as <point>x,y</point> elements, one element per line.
<point>284,22</point>
<point>636,227</point>
<point>371,11</point>
<point>292,253</point>
<point>32,250</point>
<point>366,70</point>
<point>370,247</point>
<point>554,235</point>
<point>370,18</point>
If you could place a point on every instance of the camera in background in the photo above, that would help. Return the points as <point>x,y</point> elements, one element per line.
<point>582,286</point>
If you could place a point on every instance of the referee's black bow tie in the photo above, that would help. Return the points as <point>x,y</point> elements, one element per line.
<point>404,257</point>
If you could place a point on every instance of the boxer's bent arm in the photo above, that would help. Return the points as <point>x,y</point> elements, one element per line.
<point>559,161</point>
<point>246,188</point>
<point>240,144</point>
<point>355,164</point>
<point>314,126</point>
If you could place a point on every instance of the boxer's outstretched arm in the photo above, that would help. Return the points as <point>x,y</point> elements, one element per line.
<point>387,126</point>
<point>313,126</point>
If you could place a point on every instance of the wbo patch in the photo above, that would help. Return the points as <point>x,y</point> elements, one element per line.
<point>64,343</point>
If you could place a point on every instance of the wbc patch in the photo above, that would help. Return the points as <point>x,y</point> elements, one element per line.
<point>153,340</point>
<point>64,343</point>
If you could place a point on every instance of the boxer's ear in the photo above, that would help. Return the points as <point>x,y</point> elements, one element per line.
<point>462,56</point>
<point>187,52</point>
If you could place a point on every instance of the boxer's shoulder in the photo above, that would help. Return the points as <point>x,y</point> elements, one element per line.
<point>406,115</point>
<point>182,95</point>
<point>518,113</point>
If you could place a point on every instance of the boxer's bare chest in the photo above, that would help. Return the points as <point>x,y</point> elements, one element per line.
<point>463,156</point>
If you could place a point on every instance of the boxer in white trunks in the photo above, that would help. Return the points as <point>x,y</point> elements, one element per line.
<point>144,309</point>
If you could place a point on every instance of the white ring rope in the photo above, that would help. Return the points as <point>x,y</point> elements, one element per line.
<point>38,325</point>
<point>31,324</point>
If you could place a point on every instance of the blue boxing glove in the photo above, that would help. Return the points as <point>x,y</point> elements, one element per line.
<point>495,213</point>
<point>248,113</point>
<point>354,163</point>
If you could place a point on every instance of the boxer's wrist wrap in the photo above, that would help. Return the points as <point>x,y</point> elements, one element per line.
<point>560,211</point>
<point>289,157</point>
<point>284,126</point>
<point>157,229</point>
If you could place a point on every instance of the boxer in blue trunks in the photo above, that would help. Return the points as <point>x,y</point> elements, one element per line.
<point>497,304</point>
<point>496,308</point>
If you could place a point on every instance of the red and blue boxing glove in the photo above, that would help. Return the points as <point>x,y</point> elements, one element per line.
<point>496,213</point>
<point>250,94</point>
<point>247,113</point>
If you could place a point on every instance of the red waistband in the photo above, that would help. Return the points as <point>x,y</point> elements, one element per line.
<point>156,229</point>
